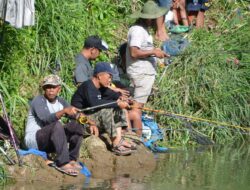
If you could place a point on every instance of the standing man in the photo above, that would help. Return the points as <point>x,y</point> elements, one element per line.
<point>44,130</point>
<point>141,53</point>
<point>92,48</point>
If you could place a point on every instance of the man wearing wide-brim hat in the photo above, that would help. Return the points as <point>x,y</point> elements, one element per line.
<point>141,54</point>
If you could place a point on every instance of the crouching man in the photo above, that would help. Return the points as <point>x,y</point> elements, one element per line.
<point>110,115</point>
<point>45,131</point>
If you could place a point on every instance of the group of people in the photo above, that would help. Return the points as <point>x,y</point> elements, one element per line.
<point>181,13</point>
<point>101,97</point>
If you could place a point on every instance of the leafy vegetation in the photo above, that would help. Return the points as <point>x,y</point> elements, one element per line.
<point>205,81</point>
<point>28,54</point>
<point>211,79</point>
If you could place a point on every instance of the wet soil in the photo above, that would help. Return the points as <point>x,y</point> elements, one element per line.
<point>94,153</point>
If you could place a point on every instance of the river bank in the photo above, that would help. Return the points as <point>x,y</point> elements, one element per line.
<point>102,163</point>
<point>203,167</point>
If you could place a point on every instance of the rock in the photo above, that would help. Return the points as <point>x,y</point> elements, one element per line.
<point>103,163</point>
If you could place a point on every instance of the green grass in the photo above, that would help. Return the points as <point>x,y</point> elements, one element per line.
<point>203,82</point>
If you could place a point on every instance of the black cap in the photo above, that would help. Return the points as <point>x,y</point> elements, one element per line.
<point>96,42</point>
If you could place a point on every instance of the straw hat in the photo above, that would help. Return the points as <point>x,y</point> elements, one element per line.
<point>150,10</point>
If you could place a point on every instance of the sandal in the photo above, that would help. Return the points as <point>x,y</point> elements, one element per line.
<point>127,144</point>
<point>121,150</point>
<point>65,170</point>
<point>75,165</point>
<point>179,29</point>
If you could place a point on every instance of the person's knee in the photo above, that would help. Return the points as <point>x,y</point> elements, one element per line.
<point>58,127</point>
<point>76,139</point>
<point>134,115</point>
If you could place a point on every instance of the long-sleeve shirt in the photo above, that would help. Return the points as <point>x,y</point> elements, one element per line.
<point>41,113</point>
<point>87,95</point>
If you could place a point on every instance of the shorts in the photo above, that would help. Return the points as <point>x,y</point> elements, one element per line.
<point>108,119</point>
<point>197,5</point>
<point>164,3</point>
<point>142,84</point>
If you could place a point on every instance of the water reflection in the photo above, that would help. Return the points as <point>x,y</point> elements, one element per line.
<point>207,168</point>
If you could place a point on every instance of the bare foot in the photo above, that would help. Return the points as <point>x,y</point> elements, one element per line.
<point>48,162</point>
<point>161,35</point>
<point>75,164</point>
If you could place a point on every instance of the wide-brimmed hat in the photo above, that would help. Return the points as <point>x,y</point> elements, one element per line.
<point>150,10</point>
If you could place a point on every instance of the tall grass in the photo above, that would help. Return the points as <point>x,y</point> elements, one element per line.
<point>207,82</point>
<point>28,54</point>
<point>202,83</point>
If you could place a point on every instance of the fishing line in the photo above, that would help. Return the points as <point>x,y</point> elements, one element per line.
<point>192,118</point>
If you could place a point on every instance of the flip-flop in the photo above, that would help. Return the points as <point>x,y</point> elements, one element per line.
<point>68,171</point>
<point>120,150</point>
<point>131,145</point>
<point>179,29</point>
<point>76,165</point>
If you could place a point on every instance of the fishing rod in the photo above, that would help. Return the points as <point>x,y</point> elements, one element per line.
<point>181,116</point>
<point>10,130</point>
<point>6,155</point>
<point>110,103</point>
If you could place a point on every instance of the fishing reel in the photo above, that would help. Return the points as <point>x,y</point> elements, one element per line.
<point>83,119</point>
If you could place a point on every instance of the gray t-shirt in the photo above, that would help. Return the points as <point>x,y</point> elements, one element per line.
<point>41,113</point>
<point>83,70</point>
<point>139,37</point>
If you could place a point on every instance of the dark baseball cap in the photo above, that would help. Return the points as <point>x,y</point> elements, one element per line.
<point>96,42</point>
<point>103,67</point>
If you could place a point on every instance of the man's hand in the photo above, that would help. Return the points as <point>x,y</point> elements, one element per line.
<point>94,130</point>
<point>159,53</point>
<point>122,91</point>
<point>122,104</point>
<point>71,110</point>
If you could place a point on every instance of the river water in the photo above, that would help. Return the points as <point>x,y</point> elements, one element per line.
<point>209,168</point>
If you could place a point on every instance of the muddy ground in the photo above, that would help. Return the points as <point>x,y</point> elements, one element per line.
<point>102,163</point>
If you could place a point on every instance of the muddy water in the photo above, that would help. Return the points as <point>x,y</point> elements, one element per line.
<point>210,168</point>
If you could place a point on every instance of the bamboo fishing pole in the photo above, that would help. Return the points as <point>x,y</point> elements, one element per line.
<point>10,130</point>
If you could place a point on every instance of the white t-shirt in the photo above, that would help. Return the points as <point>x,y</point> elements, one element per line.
<point>139,37</point>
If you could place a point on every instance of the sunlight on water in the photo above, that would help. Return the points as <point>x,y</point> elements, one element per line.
<point>209,168</point>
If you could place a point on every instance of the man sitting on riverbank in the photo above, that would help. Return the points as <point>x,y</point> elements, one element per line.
<point>44,130</point>
<point>110,116</point>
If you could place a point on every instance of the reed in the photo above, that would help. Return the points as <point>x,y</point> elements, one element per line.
<point>211,79</point>
<point>204,82</point>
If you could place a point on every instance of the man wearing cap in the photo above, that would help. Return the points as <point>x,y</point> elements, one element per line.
<point>44,130</point>
<point>141,54</point>
<point>93,45</point>
<point>109,116</point>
